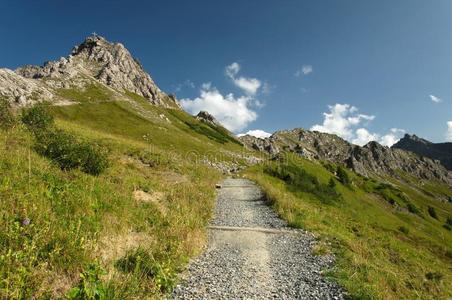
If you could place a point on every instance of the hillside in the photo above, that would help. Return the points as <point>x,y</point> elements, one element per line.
<point>372,159</point>
<point>391,237</point>
<point>107,188</point>
<point>128,230</point>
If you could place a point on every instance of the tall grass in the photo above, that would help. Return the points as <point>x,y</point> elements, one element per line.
<point>66,232</point>
<point>383,250</point>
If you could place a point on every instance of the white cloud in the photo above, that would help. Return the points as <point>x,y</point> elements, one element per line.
<point>305,70</point>
<point>249,85</point>
<point>363,137</point>
<point>256,133</point>
<point>392,137</point>
<point>345,121</point>
<point>340,120</point>
<point>186,84</point>
<point>449,132</point>
<point>435,99</point>
<point>233,69</point>
<point>233,113</point>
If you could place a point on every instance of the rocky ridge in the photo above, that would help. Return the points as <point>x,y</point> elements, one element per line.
<point>420,146</point>
<point>206,117</point>
<point>94,61</point>
<point>372,158</point>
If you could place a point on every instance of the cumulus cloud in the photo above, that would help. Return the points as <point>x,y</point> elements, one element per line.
<point>256,133</point>
<point>249,85</point>
<point>363,136</point>
<point>345,121</point>
<point>234,113</point>
<point>449,132</point>
<point>305,70</point>
<point>340,120</point>
<point>435,99</point>
<point>392,137</point>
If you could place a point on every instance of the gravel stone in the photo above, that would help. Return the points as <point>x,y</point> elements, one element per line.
<point>251,264</point>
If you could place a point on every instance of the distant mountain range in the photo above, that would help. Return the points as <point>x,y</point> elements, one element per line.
<point>420,146</point>
<point>372,158</point>
<point>99,65</point>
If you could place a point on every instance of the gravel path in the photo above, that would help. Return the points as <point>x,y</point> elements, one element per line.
<point>252,254</point>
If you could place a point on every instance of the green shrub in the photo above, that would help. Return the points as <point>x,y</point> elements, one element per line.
<point>301,181</point>
<point>90,285</point>
<point>332,183</point>
<point>449,221</point>
<point>404,230</point>
<point>37,118</point>
<point>434,276</point>
<point>68,153</point>
<point>343,176</point>
<point>412,208</point>
<point>7,119</point>
<point>60,146</point>
<point>432,212</point>
<point>448,224</point>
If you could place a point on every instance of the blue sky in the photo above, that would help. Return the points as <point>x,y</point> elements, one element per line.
<point>372,65</point>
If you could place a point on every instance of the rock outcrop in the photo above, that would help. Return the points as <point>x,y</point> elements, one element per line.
<point>371,158</point>
<point>95,60</point>
<point>20,90</point>
<point>206,117</point>
<point>420,146</point>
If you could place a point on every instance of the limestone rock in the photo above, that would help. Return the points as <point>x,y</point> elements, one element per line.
<point>206,117</point>
<point>21,90</point>
<point>98,60</point>
<point>420,146</point>
<point>372,158</point>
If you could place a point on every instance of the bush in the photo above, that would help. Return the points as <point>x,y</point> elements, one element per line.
<point>7,119</point>
<point>448,224</point>
<point>449,221</point>
<point>412,208</point>
<point>343,176</point>
<point>434,276</point>
<point>60,146</point>
<point>68,153</point>
<point>300,180</point>
<point>37,118</point>
<point>332,183</point>
<point>404,230</point>
<point>90,285</point>
<point>432,212</point>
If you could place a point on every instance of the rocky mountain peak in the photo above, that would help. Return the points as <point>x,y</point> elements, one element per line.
<point>98,60</point>
<point>437,151</point>
<point>413,138</point>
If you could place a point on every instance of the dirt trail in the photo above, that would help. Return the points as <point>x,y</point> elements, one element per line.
<point>252,254</point>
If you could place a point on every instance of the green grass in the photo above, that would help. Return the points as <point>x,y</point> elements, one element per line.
<point>383,250</point>
<point>92,93</point>
<point>59,224</point>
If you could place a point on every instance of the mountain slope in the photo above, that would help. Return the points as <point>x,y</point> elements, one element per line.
<point>391,237</point>
<point>131,229</point>
<point>373,158</point>
<point>95,61</point>
<point>439,151</point>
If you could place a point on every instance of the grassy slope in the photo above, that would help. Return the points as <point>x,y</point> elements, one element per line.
<point>376,260</point>
<point>78,220</point>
